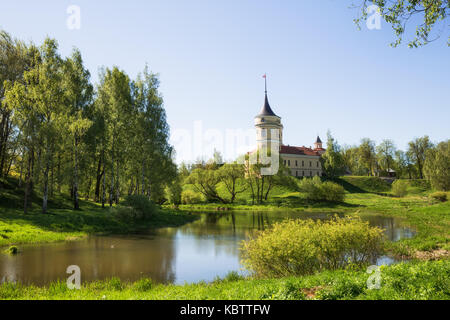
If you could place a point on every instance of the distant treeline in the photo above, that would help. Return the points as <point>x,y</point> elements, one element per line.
<point>422,160</point>
<point>59,133</point>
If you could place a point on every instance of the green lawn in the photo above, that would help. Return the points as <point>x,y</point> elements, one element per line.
<point>415,280</point>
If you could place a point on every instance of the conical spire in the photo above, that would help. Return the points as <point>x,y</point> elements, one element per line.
<point>266,109</point>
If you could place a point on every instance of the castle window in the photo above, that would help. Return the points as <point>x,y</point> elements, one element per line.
<point>296,173</point>
<point>303,163</point>
<point>284,162</point>
<point>296,163</point>
<point>310,173</point>
<point>310,163</point>
<point>303,173</point>
<point>317,164</point>
<point>289,163</point>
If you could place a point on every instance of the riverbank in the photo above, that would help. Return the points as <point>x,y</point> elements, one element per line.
<point>412,281</point>
<point>64,224</point>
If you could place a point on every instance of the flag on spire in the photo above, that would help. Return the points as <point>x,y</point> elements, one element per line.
<point>265,76</point>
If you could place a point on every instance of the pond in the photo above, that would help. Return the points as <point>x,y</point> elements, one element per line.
<point>202,250</point>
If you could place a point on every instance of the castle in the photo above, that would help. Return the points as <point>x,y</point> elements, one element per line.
<point>301,161</point>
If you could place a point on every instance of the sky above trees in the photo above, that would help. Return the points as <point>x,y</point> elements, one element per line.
<point>322,72</point>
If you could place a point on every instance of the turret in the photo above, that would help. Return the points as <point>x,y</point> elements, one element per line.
<point>265,122</point>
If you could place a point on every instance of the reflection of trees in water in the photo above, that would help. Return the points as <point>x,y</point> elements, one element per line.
<point>99,258</point>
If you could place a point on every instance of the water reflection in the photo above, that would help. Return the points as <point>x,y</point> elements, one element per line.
<point>202,250</point>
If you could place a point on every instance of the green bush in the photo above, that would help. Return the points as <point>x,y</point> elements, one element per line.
<point>400,188</point>
<point>300,247</point>
<point>143,285</point>
<point>316,190</point>
<point>191,197</point>
<point>135,207</point>
<point>439,196</point>
<point>173,192</point>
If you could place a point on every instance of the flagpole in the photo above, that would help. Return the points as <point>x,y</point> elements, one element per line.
<point>265,82</point>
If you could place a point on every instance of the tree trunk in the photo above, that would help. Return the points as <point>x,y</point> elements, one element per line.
<point>104,186</point>
<point>59,173</point>
<point>28,183</point>
<point>45,196</point>
<point>99,179</point>
<point>143,176</point>
<point>76,204</point>
<point>111,188</point>
<point>117,182</point>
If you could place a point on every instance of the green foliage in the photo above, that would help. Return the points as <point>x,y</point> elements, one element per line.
<point>143,285</point>
<point>232,176</point>
<point>135,207</point>
<point>385,152</point>
<point>12,250</point>
<point>333,161</point>
<point>437,166</point>
<point>191,197</point>
<point>300,247</point>
<point>417,151</point>
<point>173,192</point>
<point>439,196</point>
<point>400,188</point>
<point>367,155</point>
<point>428,16</point>
<point>205,181</point>
<point>316,190</point>
<point>65,137</point>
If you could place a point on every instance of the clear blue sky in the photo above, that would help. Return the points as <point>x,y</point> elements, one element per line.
<point>323,73</point>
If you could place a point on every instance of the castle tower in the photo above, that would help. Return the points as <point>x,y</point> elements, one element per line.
<point>318,143</point>
<point>265,121</point>
<point>318,146</point>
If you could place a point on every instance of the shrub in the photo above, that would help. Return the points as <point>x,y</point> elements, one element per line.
<point>439,196</point>
<point>400,188</point>
<point>143,284</point>
<point>300,247</point>
<point>135,207</point>
<point>332,192</point>
<point>191,197</point>
<point>316,190</point>
<point>173,192</point>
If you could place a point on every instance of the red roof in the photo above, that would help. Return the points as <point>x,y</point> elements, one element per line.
<point>298,150</point>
